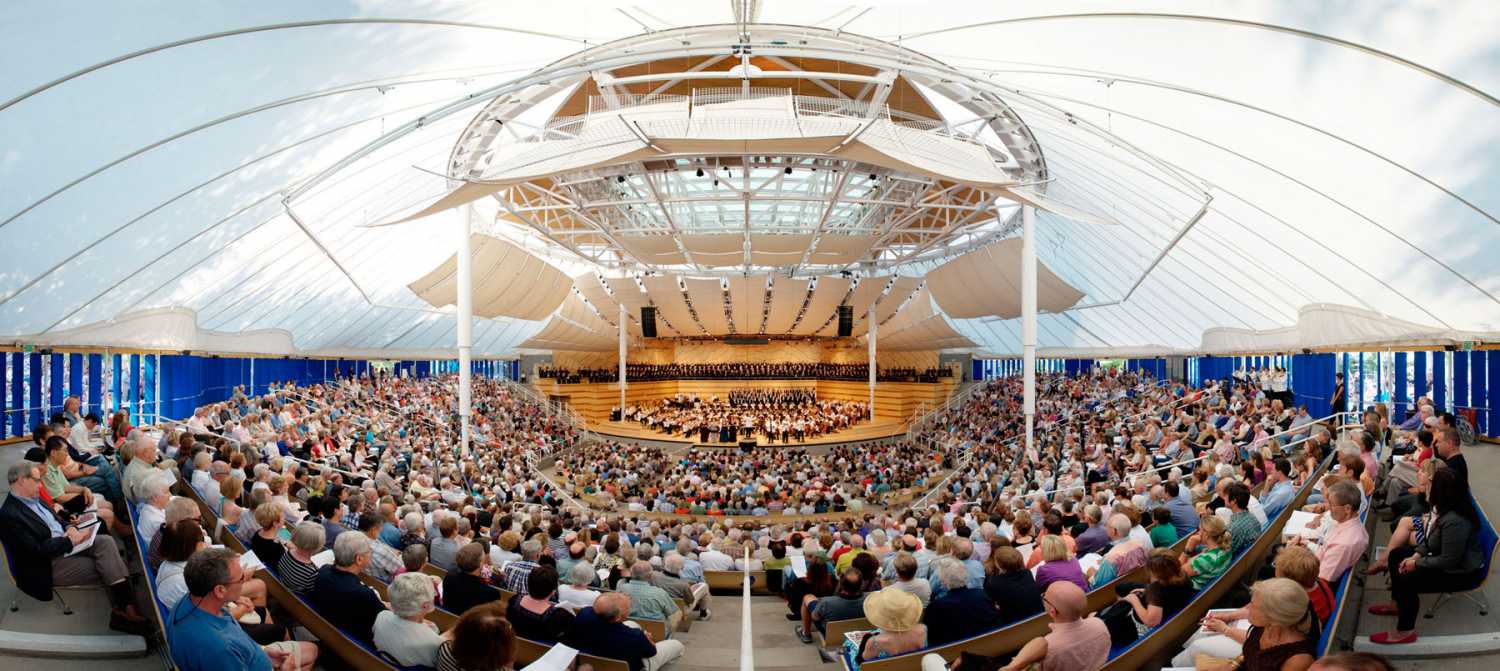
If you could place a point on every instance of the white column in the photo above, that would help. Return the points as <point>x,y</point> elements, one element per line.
<point>871,338</point>
<point>622,357</point>
<point>465,325</point>
<point>1028,319</point>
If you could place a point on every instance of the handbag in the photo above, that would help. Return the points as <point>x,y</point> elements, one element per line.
<point>1119,617</point>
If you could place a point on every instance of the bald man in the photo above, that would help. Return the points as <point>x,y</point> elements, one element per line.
<point>1077,643</point>
<point>603,630</point>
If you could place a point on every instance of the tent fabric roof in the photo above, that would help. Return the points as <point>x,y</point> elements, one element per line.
<point>987,283</point>
<point>507,281</point>
<point>1345,168</point>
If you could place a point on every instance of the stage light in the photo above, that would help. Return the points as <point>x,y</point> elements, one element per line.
<point>789,170</point>
<point>700,172</point>
<point>620,179</point>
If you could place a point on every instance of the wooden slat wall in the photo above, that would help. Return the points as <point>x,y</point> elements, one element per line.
<point>896,400</point>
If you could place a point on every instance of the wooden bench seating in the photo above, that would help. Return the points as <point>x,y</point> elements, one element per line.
<point>733,581</point>
<point>834,636</point>
<point>1010,638</point>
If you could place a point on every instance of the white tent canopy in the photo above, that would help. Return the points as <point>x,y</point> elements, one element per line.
<point>1267,175</point>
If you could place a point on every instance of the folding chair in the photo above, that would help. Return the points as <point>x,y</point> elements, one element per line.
<point>1491,543</point>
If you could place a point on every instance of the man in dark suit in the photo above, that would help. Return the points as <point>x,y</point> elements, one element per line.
<point>39,545</point>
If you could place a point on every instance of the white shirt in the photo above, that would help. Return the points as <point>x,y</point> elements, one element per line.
<point>1139,534</point>
<point>713,560</point>
<point>410,643</point>
<point>150,520</point>
<point>170,585</point>
<point>575,599</point>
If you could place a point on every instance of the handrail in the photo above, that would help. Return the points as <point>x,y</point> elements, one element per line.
<point>920,424</point>
<point>747,642</point>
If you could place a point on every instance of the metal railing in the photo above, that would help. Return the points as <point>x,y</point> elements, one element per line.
<point>747,640</point>
<point>920,424</point>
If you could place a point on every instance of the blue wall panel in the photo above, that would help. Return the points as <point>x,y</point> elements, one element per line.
<point>134,381</point>
<point>1403,398</point>
<point>1419,376</point>
<point>1492,386</point>
<point>96,387</point>
<point>57,384</point>
<point>1315,382</point>
<point>75,380</point>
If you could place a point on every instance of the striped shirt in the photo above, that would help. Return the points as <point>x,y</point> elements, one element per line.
<point>1243,530</point>
<point>1208,565</point>
<point>297,576</point>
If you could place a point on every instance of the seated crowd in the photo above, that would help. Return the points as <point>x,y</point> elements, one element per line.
<point>336,485</point>
<point>762,481</point>
<point>787,418</point>
<point>648,372</point>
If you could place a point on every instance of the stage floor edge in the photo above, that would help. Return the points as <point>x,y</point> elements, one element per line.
<point>881,427</point>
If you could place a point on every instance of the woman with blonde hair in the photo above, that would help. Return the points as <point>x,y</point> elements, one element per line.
<point>1282,635</point>
<point>1058,564</point>
<point>1214,558</point>
<point>1410,529</point>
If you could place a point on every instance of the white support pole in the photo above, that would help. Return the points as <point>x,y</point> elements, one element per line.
<point>465,326</point>
<point>871,338</point>
<point>1028,319</point>
<point>622,359</point>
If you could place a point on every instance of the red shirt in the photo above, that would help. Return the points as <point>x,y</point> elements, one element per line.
<point>1321,598</point>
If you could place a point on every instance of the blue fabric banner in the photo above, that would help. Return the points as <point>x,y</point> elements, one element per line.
<point>1403,397</point>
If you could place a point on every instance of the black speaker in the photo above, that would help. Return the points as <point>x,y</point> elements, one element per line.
<point>846,321</point>
<point>648,321</point>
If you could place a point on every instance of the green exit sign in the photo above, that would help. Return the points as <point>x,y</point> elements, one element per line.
<point>26,349</point>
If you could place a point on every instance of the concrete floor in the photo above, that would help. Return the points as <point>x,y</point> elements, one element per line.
<point>90,613</point>
<point>715,644</point>
<point>1459,616</point>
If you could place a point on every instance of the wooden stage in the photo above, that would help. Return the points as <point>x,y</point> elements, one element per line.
<point>881,427</point>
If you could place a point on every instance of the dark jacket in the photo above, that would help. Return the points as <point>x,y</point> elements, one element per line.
<point>1014,594</point>
<point>462,591</point>
<point>1451,546</point>
<point>346,602</point>
<point>30,548</point>
<point>959,614</point>
<point>593,636</point>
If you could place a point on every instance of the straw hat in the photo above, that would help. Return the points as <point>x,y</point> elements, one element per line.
<point>893,610</point>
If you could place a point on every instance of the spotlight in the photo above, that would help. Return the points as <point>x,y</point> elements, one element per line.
<point>700,172</point>
<point>620,179</point>
<point>872,177</point>
<point>788,170</point>
<point>716,182</point>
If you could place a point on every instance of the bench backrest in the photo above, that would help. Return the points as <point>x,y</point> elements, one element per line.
<point>1166,636</point>
<point>1011,637</point>
<point>528,651</point>
<point>833,636</point>
<point>656,628</point>
<point>734,580</point>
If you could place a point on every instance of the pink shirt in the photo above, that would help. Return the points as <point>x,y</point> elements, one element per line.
<point>1082,645</point>
<point>1372,466</point>
<point>1340,548</point>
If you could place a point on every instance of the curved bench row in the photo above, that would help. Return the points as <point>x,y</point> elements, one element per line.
<point>356,653</point>
<point>1154,643</point>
